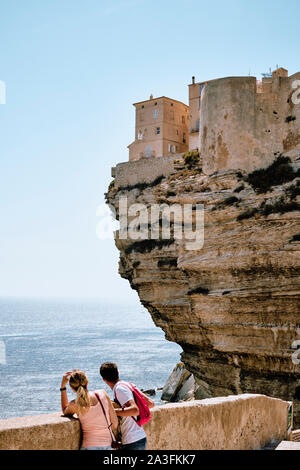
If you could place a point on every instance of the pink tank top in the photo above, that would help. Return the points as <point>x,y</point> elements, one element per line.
<point>94,425</point>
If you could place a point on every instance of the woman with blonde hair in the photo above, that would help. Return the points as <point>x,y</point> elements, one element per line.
<point>94,410</point>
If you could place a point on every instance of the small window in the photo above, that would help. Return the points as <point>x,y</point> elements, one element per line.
<point>155,113</point>
<point>140,135</point>
<point>184,138</point>
<point>171,104</point>
<point>155,104</point>
<point>177,131</point>
<point>157,131</point>
<point>148,151</point>
<point>170,147</point>
<point>143,107</point>
<point>197,124</point>
<point>183,119</point>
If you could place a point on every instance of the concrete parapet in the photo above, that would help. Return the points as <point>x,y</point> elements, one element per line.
<point>236,422</point>
<point>43,432</point>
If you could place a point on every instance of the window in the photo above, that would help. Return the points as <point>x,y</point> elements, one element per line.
<point>148,151</point>
<point>184,138</point>
<point>183,119</point>
<point>155,113</point>
<point>197,124</point>
<point>157,131</point>
<point>140,135</point>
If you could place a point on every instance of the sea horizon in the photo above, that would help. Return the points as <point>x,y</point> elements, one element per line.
<point>43,337</point>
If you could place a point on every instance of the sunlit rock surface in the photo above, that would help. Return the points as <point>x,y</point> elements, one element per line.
<point>234,305</point>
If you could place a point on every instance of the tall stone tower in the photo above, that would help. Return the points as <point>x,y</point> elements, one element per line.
<point>243,123</point>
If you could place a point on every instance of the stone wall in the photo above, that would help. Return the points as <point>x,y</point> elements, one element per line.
<point>235,422</point>
<point>143,171</point>
<point>241,128</point>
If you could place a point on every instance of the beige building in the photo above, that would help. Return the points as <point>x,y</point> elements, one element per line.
<point>195,91</point>
<point>240,122</point>
<point>245,124</point>
<point>235,122</point>
<point>161,128</point>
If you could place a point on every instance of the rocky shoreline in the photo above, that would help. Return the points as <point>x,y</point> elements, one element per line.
<point>180,386</point>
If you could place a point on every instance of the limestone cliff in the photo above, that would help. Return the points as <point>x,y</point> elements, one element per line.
<point>233,306</point>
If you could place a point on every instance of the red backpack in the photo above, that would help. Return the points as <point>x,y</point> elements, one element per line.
<point>145,414</point>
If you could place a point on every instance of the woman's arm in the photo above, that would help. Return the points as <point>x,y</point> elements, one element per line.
<point>71,409</point>
<point>112,414</point>
<point>66,407</point>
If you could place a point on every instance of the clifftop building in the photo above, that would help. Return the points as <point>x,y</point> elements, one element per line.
<point>161,128</point>
<point>235,122</point>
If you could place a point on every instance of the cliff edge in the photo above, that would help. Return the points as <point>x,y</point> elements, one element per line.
<point>233,305</point>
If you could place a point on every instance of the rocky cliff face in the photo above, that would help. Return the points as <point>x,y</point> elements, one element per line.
<point>234,305</point>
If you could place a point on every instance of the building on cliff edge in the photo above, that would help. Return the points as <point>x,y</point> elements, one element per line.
<point>235,122</point>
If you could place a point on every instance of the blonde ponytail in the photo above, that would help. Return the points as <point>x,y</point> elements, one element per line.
<point>78,381</point>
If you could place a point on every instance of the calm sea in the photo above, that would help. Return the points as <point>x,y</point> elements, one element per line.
<point>41,339</point>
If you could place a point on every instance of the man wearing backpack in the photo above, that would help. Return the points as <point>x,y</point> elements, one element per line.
<point>128,397</point>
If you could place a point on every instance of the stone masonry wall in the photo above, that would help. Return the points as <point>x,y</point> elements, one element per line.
<point>143,171</point>
<point>243,129</point>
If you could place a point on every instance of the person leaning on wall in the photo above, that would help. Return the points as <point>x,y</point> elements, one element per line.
<point>94,409</point>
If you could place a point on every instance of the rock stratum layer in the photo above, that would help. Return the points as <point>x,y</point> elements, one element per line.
<point>232,306</point>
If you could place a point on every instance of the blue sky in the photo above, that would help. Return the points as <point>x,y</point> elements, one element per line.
<point>72,71</point>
